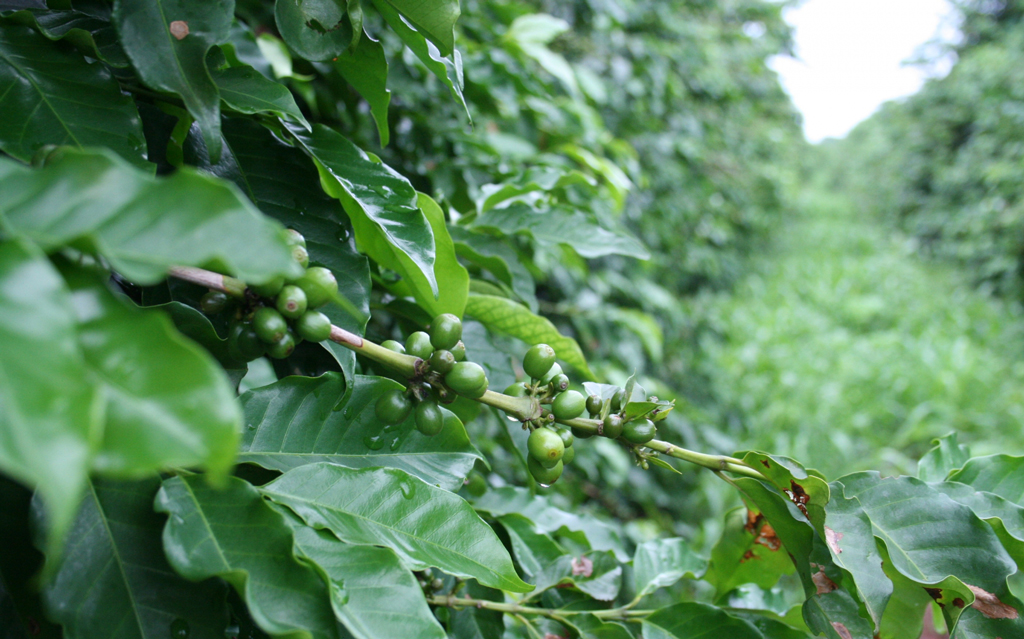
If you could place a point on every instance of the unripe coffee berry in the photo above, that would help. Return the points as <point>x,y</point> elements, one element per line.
<point>213,302</point>
<point>392,407</point>
<point>243,342</point>
<point>314,326</point>
<point>429,419</point>
<point>566,435</point>
<point>319,285</point>
<point>392,345</point>
<point>538,360</point>
<point>516,390</point>
<point>291,302</point>
<point>594,404</point>
<point>552,373</point>
<point>569,455</point>
<point>283,347</point>
<point>560,382</point>
<point>268,289</point>
<point>445,331</point>
<point>442,361</point>
<point>418,345</point>
<point>545,476</point>
<point>467,378</point>
<point>269,325</point>
<point>459,351</point>
<point>545,446</point>
<point>612,426</point>
<point>294,238</point>
<point>639,431</point>
<point>300,255</point>
<point>618,400</point>
<point>568,405</point>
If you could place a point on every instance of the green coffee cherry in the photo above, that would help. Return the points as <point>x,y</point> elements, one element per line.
<point>313,326</point>
<point>538,360</point>
<point>442,361</point>
<point>552,373</point>
<point>243,342</point>
<point>516,390</point>
<point>568,405</point>
<point>618,400</point>
<point>566,435</point>
<point>459,351</point>
<point>418,345</point>
<point>445,331</point>
<point>392,345</point>
<point>429,419</point>
<point>581,433</point>
<point>268,289</point>
<point>467,378</point>
<point>560,382</point>
<point>213,302</point>
<point>545,476</point>
<point>319,286</point>
<point>283,347</point>
<point>291,302</point>
<point>392,407</point>
<point>545,446</point>
<point>269,325</point>
<point>639,431</point>
<point>612,426</point>
<point>475,484</point>
<point>294,238</point>
<point>594,404</point>
<point>569,455</point>
<point>300,255</point>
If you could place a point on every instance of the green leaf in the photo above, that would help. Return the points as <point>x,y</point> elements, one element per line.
<point>168,404</point>
<point>478,623</point>
<point>531,33</point>
<point>50,414</point>
<point>232,534</point>
<point>447,69</point>
<point>596,573</point>
<point>591,627</point>
<point>1002,475</point>
<point>305,420</point>
<point>175,60</point>
<point>436,20</point>
<point>424,525</point>
<point>372,593</point>
<point>365,67</point>
<point>561,226</point>
<point>96,201</point>
<point>662,562</point>
<point>495,255</point>
<point>451,277</point>
<point>680,621</point>
<point>747,552</point>
<point>807,491</point>
<point>1005,517</point>
<point>947,456</point>
<point>197,327</point>
<point>532,548</point>
<point>538,180</point>
<point>836,616</point>
<point>92,35</point>
<point>246,90</point>
<point>113,579</point>
<point>280,180</point>
<point>505,316</point>
<point>51,95</point>
<point>381,204</point>
<point>316,29</point>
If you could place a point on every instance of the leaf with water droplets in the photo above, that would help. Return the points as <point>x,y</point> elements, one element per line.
<point>426,526</point>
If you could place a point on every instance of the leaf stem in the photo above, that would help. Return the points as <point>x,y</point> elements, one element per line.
<point>522,408</point>
<point>516,609</point>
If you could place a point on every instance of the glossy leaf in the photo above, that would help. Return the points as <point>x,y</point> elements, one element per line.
<point>947,455</point>
<point>1005,517</point>
<point>92,35</point>
<point>113,579</point>
<point>447,68</point>
<point>496,256</point>
<point>505,316</point>
<point>532,548</point>
<point>51,95</point>
<point>137,222</point>
<point>561,226</point>
<point>662,562</point>
<point>807,491</point>
<point>282,182</point>
<point>167,403</point>
<point>591,627</point>
<point>230,533</point>
<point>167,41</point>
<point>50,413</point>
<point>747,552</point>
<point>424,525</point>
<point>680,621</point>
<point>315,29</point>
<point>380,203</point>
<point>197,327</point>
<point>365,67</point>
<point>596,573</point>
<point>245,90</point>
<point>304,420</point>
<point>451,277</point>
<point>1001,475</point>
<point>372,593</point>
<point>436,20</point>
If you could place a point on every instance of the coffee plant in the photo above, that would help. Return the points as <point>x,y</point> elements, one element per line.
<point>249,366</point>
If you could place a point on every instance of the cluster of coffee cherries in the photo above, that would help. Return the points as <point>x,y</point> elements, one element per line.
<point>550,444</point>
<point>444,354</point>
<point>272,318</point>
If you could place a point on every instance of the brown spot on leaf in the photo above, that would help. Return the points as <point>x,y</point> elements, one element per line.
<point>958,602</point>
<point>989,605</point>
<point>799,497</point>
<point>822,581</point>
<point>766,464</point>
<point>766,537</point>
<point>179,29</point>
<point>582,566</point>
<point>752,519</point>
<point>936,594</point>
<point>748,556</point>
<point>832,538</point>
<point>841,630</point>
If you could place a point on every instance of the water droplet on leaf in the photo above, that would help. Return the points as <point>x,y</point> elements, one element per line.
<point>396,443</point>
<point>339,593</point>
<point>407,488</point>
<point>179,629</point>
<point>374,443</point>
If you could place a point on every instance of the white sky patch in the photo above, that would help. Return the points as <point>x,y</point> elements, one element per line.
<point>851,54</point>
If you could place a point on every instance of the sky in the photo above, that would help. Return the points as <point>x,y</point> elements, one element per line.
<point>850,56</point>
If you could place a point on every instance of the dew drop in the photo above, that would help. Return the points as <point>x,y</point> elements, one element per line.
<point>544,485</point>
<point>179,629</point>
<point>407,489</point>
<point>390,427</point>
<point>348,413</point>
<point>339,592</point>
<point>396,443</point>
<point>342,235</point>
<point>251,426</point>
<point>374,443</point>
